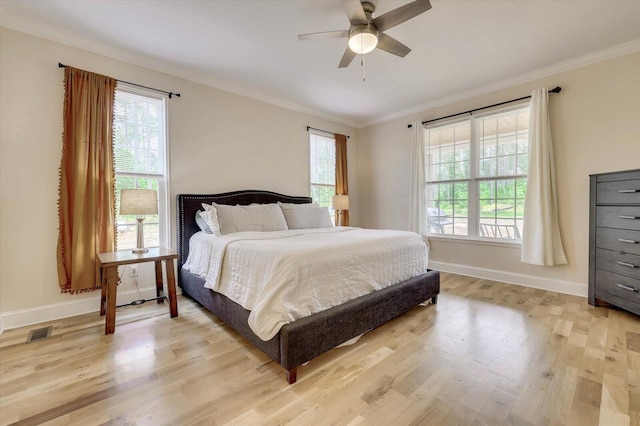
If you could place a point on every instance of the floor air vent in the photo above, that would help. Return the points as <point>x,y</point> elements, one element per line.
<point>39,334</point>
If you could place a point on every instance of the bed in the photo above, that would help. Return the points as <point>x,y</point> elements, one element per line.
<point>299,341</point>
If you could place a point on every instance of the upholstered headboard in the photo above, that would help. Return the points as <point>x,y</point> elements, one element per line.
<point>188,204</point>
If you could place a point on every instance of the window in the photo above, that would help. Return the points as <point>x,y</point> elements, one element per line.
<point>322,168</point>
<point>140,161</point>
<point>477,175</point>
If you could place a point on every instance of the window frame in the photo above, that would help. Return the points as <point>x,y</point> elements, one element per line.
<point>164,239</point>
<point>474,180</point>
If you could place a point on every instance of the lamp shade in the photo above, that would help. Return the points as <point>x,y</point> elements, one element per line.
<point>138,201</point>
<point>340,202</point>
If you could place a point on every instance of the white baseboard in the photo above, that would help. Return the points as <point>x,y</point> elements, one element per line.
<point>25,317</point>
<point>560,286</point>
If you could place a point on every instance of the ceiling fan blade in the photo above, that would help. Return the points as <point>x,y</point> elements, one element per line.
<point>391,45</point>
<point>347,58</point>
<point>324,35</point>
<point>355,12</point>
<point>401,14</point>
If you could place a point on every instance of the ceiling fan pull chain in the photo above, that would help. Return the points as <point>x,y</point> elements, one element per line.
<point>364,69</point>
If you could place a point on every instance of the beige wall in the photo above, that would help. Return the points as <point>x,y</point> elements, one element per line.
<point>595,127</point>
<point>218,142</point>
<point>221,142</point>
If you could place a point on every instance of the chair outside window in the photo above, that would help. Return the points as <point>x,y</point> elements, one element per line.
<point>437,220</point>
<point>500,231</point>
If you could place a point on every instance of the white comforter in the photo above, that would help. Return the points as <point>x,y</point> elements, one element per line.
<point>281,276</point>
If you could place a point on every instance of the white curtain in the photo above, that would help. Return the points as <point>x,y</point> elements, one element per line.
<point>541,243</point>
<point>418,198</point>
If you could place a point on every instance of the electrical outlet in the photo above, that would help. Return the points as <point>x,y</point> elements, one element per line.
<point>133,270</point>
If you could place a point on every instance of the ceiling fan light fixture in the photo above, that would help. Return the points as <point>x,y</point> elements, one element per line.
<point>363,40</point>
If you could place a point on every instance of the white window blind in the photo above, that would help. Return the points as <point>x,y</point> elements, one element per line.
<point>322,169</point>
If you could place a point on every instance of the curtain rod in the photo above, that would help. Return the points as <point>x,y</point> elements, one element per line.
<point>556,89</point>
<point>171,94</point>
<point>326,131</point>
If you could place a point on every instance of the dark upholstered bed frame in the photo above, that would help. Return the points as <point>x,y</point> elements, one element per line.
<point>306,338</point>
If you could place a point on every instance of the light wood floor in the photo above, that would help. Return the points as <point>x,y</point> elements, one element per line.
<point>487,354</point>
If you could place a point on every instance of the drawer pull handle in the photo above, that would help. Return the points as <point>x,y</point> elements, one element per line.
<point>628,287</point>
<point>630,265</point>
<point>628,191</point>
<point>628,217</point>
<point>624,240</point>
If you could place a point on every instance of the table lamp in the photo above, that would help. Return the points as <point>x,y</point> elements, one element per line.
<point>340,203</point>
<point>139,202</point>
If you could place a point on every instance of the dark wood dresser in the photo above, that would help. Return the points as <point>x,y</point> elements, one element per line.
<point>614,240</point>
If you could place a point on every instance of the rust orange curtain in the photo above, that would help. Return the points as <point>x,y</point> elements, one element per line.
<point>86,203</point>
<point>342,184</point>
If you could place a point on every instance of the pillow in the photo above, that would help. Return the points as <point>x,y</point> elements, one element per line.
<point>210,217</point>
<point>305,216</point>
<point>202,224</point>
<point>314,204</point>
<point>256,217</point>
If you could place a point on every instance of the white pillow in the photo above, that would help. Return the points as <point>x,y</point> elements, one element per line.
<point>256,217</point>
<point>306,216</point>
<point>210,216</point>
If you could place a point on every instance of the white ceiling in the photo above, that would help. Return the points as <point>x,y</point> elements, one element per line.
<point>460,48</point>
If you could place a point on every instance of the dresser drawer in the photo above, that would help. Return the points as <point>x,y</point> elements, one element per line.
<point>618,240</point>
<point>618,192</point>
<point>622,217</point>
<point>618,285</point>
<point>619,263</point>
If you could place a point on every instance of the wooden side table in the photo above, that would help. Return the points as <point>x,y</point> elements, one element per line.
<point>109,263</point>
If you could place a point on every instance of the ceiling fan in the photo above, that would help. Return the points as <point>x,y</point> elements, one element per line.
<point>366,32</point>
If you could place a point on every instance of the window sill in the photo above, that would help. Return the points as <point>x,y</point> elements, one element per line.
<point>476,240</point>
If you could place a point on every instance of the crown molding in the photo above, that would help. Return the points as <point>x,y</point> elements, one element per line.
<point>178,72</point>
<point>200,78</point>
<point>579,62</point>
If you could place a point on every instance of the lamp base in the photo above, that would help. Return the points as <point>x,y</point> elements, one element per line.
<point>140,238</point>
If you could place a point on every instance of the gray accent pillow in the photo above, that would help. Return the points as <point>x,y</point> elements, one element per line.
<point>202,224</point>
<point>306,216</point>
